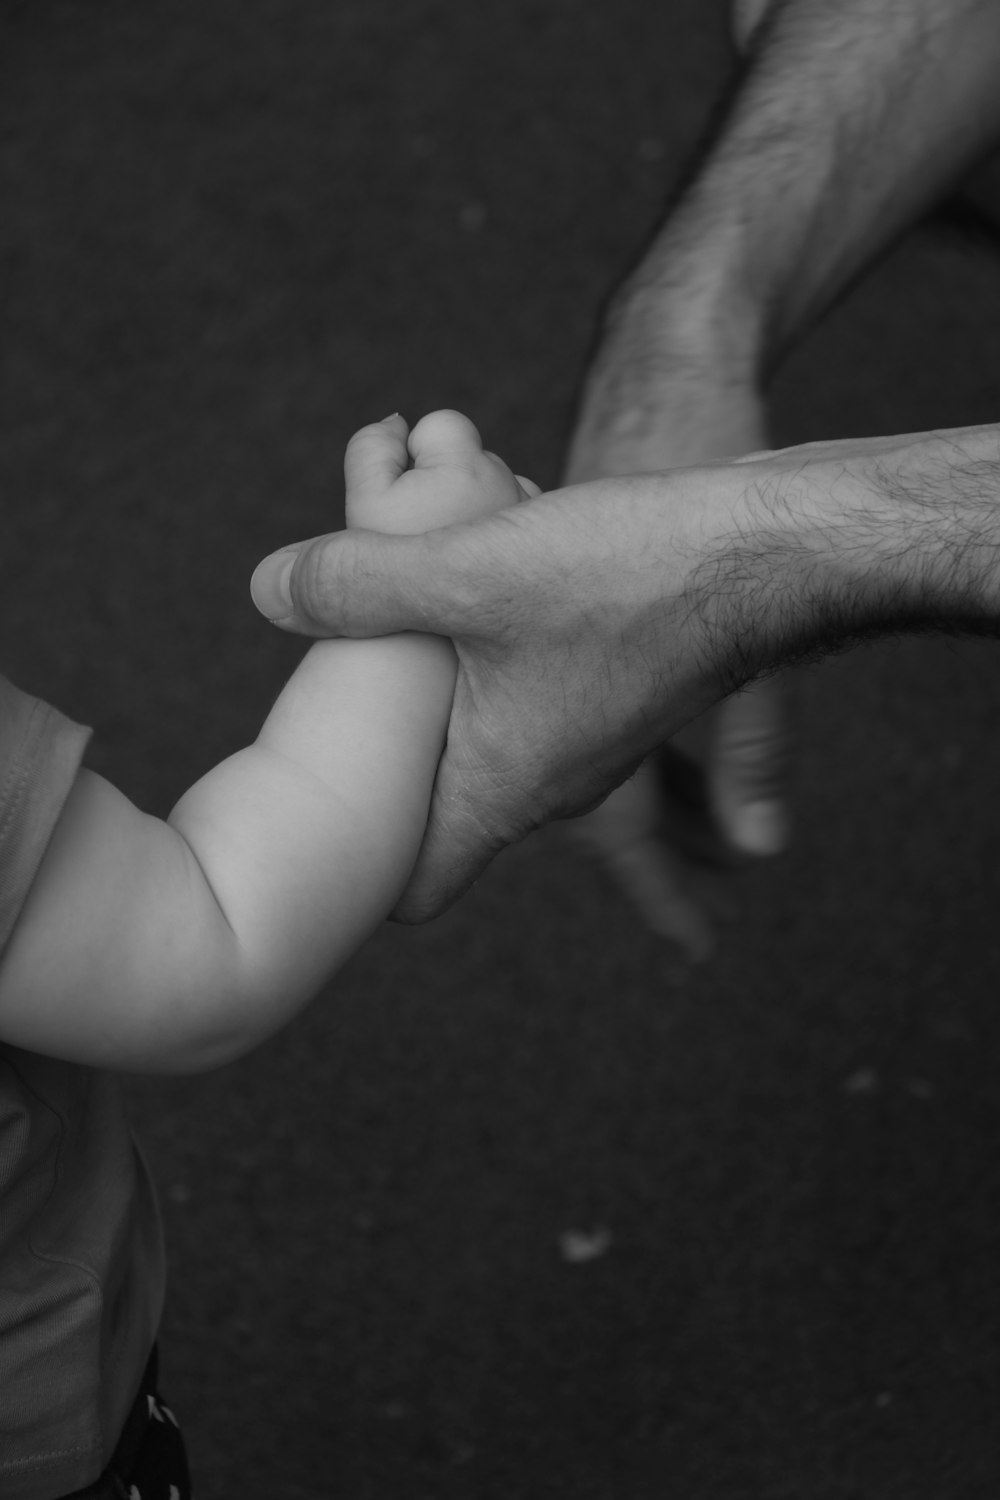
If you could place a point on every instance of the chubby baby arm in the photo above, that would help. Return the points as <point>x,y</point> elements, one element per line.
<point>178,946</point>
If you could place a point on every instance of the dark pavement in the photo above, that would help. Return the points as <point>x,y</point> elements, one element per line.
<point>522,1207</point>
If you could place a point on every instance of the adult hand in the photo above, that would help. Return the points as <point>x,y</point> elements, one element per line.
<point>592,623</point>
<point>653,401</point>
<point>579,649</point>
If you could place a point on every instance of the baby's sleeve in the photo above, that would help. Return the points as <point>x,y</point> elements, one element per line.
<point>40,755</point>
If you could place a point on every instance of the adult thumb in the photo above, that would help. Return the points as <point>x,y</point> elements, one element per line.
<point>347,583</point>
<point>748,767</point>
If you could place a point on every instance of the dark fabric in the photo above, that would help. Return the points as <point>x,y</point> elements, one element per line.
<point>150,1462</point>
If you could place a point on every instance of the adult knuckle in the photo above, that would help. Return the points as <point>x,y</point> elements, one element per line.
<point>316,580</point>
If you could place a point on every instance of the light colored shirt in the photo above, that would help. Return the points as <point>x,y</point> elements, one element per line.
<point>81,1254</point>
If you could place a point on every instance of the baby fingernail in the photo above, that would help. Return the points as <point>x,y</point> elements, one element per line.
<point>270,587</point>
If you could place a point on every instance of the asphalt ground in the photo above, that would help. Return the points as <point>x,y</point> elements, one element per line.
<point>523,1206</point>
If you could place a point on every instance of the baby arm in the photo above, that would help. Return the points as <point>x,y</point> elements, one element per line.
<point>177,946</point>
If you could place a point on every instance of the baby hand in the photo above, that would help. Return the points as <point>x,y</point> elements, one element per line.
<point>436,475</point>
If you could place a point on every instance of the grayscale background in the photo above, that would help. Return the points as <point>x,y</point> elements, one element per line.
<point>523,1206</point>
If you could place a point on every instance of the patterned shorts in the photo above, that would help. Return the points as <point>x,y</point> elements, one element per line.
<point>149,1462</point>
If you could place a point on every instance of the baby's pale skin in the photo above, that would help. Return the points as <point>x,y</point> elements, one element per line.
<point>176,946</point>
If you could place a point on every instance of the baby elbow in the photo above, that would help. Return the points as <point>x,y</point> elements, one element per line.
<point>200,1033</point>
<point>194,1055</point>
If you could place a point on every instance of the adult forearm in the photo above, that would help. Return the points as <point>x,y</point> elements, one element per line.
<point>837,542</point>
<point>852,117</point>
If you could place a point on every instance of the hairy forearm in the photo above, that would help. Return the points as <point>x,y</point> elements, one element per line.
<point>852,117</point>
<point>842,541</point>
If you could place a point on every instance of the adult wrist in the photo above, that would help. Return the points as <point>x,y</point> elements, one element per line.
<point>687,304</point>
